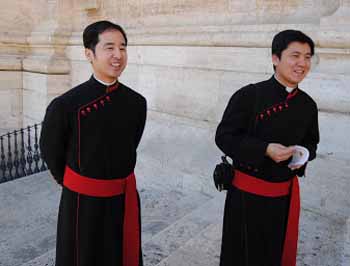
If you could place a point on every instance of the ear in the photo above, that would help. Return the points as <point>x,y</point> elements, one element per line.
<point>89,54</point>
<point>275,60</point>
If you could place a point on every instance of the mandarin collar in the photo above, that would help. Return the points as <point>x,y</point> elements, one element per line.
<point>108,84</point>
<point>279,85</point>
<point>98,85</point>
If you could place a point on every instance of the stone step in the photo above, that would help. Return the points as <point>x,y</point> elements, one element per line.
<point>201,250</point>
<point>161,244</point>
<point>168,241</point>
<point>321,243</point>
<point>162,208</point>
<point>195,240</point>
<point>178,229</point>
<point>28,209</point>
<point>321,239</point>
<point>46,259</point>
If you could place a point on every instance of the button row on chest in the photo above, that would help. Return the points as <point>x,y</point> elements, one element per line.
<point>270,111</point>
<point>95,105</point>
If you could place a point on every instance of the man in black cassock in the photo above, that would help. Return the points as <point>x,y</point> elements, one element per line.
<point>260,128</point>
<point>89,139</point>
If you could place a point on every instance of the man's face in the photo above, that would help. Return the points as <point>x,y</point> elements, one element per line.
<point>110,57</point>
<point>294,64</point>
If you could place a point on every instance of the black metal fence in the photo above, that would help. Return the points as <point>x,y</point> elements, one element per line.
<point>20,153</point>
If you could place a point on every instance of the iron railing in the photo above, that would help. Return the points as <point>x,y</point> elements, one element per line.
<point>20,154</point>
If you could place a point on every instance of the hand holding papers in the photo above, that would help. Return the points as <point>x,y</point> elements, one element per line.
<point>300,157</point>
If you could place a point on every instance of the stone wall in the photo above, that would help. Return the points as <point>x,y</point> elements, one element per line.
<point>208,47</point>
<point>186,57</point>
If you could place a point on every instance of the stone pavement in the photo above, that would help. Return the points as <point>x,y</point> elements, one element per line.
<point>181,211</point>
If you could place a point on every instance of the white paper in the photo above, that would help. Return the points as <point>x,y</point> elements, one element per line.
<point>300,156</point>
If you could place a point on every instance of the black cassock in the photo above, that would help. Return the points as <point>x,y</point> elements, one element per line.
<point>94,129</point>
<point>254,226</point>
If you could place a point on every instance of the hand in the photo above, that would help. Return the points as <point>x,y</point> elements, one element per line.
<point>278,153</point>
<point>295,166</point>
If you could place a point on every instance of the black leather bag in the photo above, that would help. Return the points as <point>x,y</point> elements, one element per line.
<point>223,174</point>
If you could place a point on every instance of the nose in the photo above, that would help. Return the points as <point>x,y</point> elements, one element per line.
<point>117,53</point>
<point>304,61</point>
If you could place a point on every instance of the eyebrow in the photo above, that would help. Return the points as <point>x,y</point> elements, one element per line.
<point>112,43</point>
<point>297,52</point>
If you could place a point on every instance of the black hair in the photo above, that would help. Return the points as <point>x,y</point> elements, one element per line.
<point>282,39</point>
<point>91,33</point>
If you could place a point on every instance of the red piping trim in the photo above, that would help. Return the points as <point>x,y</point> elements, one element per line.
<point>108,91</point>
<point>78,138</point>
<point>81,107</point>
<point>77,232</point>
<point>289,97</point>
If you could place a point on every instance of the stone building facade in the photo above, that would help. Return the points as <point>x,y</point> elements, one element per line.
<point>186,57</point>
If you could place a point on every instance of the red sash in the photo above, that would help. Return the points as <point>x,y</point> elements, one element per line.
<point>268,189</point>
<point>108,188</point>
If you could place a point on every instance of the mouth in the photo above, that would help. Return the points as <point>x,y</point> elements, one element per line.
<point>116,65</point>
<point>299,72</point>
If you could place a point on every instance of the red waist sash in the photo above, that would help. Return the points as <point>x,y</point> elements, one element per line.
<point>268,189</point>
<point>108,188</point>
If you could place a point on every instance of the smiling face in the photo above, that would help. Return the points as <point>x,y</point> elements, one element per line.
<point>110,56</point>
<point>294,64</point>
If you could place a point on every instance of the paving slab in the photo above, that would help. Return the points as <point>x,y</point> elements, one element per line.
<point>321,243</point>
<point>28,209</point>
<point>187,244</point>
<point>179,233</point>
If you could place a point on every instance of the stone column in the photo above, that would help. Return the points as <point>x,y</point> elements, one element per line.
<point>10,93</point>
<point>332,71</point>
<point>12,46</point>
<point>46,69</point>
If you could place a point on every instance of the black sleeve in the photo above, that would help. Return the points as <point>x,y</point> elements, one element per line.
<point>312,137</point>
<point>232,133</point>
<point>310,140</point>
<point>53,139</point>
<point>141,123</point>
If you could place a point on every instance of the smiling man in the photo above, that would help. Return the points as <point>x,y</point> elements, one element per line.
<point>261,129</point>
<point>89,139</point>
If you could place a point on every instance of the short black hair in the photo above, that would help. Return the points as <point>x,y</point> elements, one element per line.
<point>282,39</point>
<point>91,33</point>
